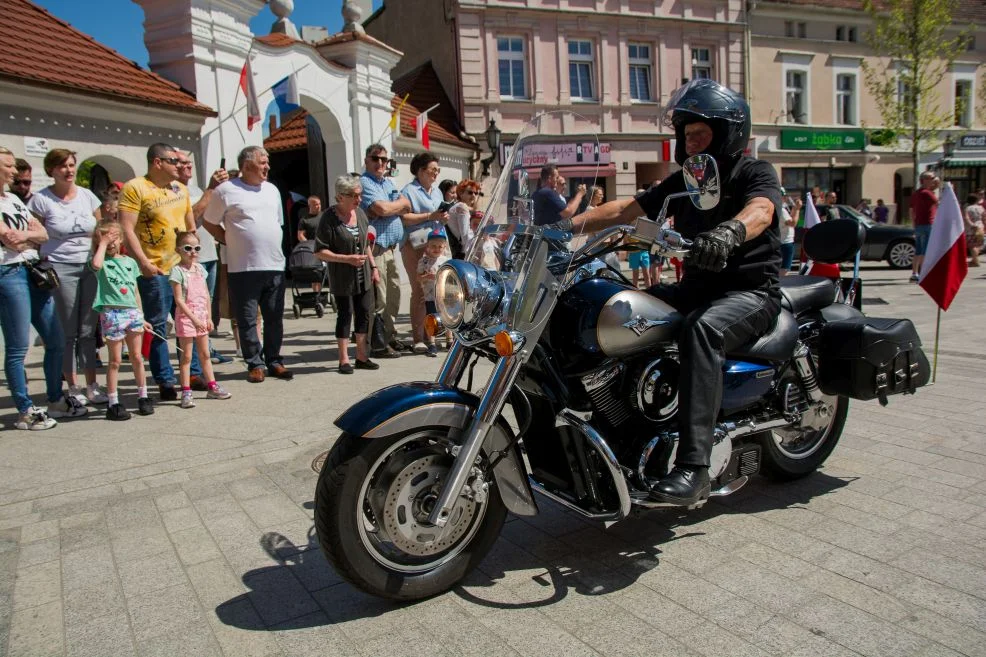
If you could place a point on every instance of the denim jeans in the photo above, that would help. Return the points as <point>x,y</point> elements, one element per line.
<point>158,302</point>
<point>22,304</point>
<point>263,290</point>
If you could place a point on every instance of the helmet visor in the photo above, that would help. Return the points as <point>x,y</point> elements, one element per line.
<point>706,99</point>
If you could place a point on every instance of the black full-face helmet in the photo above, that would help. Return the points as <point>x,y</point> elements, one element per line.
<point>721,108</point>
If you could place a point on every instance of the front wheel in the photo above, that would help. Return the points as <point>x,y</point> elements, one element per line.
<point>371,506</point>
<point>798,450</point>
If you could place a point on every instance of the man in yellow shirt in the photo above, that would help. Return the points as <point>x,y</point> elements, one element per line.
<point>153,208</point>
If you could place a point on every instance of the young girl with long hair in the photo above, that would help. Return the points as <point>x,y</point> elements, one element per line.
<point>193,316</point>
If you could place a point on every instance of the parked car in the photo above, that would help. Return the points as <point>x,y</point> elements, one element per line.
<point>892,243</point>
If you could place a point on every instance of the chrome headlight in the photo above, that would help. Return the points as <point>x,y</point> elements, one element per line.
<point>466,294</point>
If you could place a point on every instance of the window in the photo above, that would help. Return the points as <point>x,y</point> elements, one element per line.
<point>963,103</point>
<point>580,69</point>
<point>845,33</point>
<point>845,99</point>
<point>795,29</point>
<point>510,57</point>
<point>905,98</point>
<point>640,71</point>
<point>795,90</point>
<point>701,64</point>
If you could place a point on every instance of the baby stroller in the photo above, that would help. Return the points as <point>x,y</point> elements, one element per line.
<point>307,270</point>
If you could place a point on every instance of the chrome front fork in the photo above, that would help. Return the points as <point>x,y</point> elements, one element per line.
<point>497,390</point>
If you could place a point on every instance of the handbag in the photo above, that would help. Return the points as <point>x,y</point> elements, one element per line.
<point>42,274</point>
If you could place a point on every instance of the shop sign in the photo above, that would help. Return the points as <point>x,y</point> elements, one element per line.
<point>536,155</point>
<point>823,140</point>
<point>35,146</point>
<point>972,141</point>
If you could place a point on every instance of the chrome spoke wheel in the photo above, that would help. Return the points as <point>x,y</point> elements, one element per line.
<point>901,255</point>
<point>801,440</point>
<point>396,497</point>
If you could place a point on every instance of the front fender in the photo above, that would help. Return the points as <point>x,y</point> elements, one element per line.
<point>407,406</point>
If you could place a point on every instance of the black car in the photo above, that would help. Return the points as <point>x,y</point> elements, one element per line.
<point>892,243</point>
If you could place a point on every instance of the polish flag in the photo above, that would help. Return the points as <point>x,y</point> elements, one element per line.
<point>944,267</point>
<point>250,93</point>
<point>421,129</point>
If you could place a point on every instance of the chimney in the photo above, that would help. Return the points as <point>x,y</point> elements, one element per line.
<point>272,126</point>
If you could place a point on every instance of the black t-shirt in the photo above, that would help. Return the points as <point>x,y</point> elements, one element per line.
<point>755,264</point>
<point>548,205</point>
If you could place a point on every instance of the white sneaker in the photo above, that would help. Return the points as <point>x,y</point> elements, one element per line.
<point>420,348</point>
<point>34,419</point>
<point>80,396</point>
<point>95,395</point>
<point>68,406</point>
<point>186,400</point>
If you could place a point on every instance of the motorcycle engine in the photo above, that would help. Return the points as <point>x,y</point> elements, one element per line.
<point>646,389</point>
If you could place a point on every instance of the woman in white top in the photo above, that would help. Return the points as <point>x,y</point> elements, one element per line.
<point>974,225</point>
<point>70,214</point>
<point>790,220</point>
<point>460,216</point>
<point>23,304</point>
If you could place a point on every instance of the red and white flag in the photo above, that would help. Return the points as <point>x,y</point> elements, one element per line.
<point>421,127</point>
<point>945,266</point>
<point>246,84</point>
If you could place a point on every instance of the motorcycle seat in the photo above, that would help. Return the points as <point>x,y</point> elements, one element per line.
<point>775,345</point>
<point>801,293</point>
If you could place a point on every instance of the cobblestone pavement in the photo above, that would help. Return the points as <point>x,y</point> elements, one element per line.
<point>190,533</point>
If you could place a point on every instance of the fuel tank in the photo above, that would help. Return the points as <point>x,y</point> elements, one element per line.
<point>603,317</point>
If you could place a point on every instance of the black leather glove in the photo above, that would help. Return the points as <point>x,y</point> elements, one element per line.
<point>711,249</point>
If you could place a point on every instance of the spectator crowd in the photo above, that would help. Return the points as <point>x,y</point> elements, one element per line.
<point>156,253</point>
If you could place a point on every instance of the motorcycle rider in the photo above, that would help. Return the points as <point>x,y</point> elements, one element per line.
<point>729,292</point>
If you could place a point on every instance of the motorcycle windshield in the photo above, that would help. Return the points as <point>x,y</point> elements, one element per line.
<point>547,166</point>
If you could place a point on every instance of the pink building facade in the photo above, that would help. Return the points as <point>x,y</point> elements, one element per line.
<point>613,62</point>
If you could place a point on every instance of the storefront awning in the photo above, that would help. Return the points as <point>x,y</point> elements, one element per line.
<point>966,162</point>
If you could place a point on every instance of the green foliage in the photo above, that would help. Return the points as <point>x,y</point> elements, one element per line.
<point>915,43</point>
<point>83,175</point>
<point>882,136</point>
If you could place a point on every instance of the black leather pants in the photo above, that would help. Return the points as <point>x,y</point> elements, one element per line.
<point>713,326</point>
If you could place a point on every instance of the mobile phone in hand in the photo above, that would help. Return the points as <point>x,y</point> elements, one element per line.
<point>222,163</point>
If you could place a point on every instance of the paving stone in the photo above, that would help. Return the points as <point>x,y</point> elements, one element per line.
<point>693,593</point>
<point>176,520</point>
<point>195,545</point>
<point>312,636</point>
<point>165,613</point>
<point>758,585</point>
<point>87,567</point>
<point>710,639</point>
<point>192,640</point>
<point>249,487</point>
<point>238,631</point>
<point>39,531</point>
<point>947,632</point>
<point>858,595</point>
<point>278,596</point>
<point>215,583</point>
<point>531,633</point>
<point>413,642</point>
<point>944,570</point>
<point>37,631</point>
<point>102,599</point>
<point>850,626</point>
<point>133,544</point>
<point>100,637</point>
<point>652,607</point>
<point>955,605</point>
<point>38,585</point>
<point>171,501</point>
<point>360,616</point>
<point>133,513</point>
<point>39,552</point>
<point>150,574</point>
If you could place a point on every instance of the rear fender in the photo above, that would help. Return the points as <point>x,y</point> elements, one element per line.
<point>407,406</point>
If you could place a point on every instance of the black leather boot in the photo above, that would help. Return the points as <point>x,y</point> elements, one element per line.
<point>684,485</point>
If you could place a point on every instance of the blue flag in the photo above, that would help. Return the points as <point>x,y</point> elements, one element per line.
<point>286,94</point>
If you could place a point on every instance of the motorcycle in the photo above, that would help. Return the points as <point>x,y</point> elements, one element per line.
<point>581,403</point>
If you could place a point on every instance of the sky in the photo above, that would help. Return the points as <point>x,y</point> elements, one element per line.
<point>119,23</point>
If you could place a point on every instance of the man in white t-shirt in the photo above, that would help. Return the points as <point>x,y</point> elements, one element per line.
<point>246,215</point>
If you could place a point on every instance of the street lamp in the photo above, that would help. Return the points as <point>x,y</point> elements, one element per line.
<point>948,150</point>
<point>493,134</point>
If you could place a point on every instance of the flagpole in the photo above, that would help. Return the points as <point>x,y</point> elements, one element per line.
<point>934,367</point>
<point>397,112</point>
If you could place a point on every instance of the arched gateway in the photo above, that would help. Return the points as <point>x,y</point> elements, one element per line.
<point>344,81</point>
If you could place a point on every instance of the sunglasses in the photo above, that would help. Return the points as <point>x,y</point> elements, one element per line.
<point>170,160</point>
<point>188,248</point>
<point>378,158</point>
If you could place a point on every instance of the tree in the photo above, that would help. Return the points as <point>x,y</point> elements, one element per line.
<point>915,46</point>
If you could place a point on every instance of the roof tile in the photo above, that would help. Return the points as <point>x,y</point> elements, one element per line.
<point>45,50</point>
<point>290,136</point>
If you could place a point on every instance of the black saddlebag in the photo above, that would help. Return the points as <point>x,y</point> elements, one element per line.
<point>867,358</point>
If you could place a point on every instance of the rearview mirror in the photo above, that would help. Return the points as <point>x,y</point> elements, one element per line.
<point>702,181</point>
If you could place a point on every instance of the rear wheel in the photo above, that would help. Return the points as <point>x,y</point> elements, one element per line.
<point>798,450</point>
<point>296,309</point>
<point>371,507</point>
<point>900,254</point>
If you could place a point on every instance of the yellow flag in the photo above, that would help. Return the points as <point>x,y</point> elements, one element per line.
<point>395,117</point>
